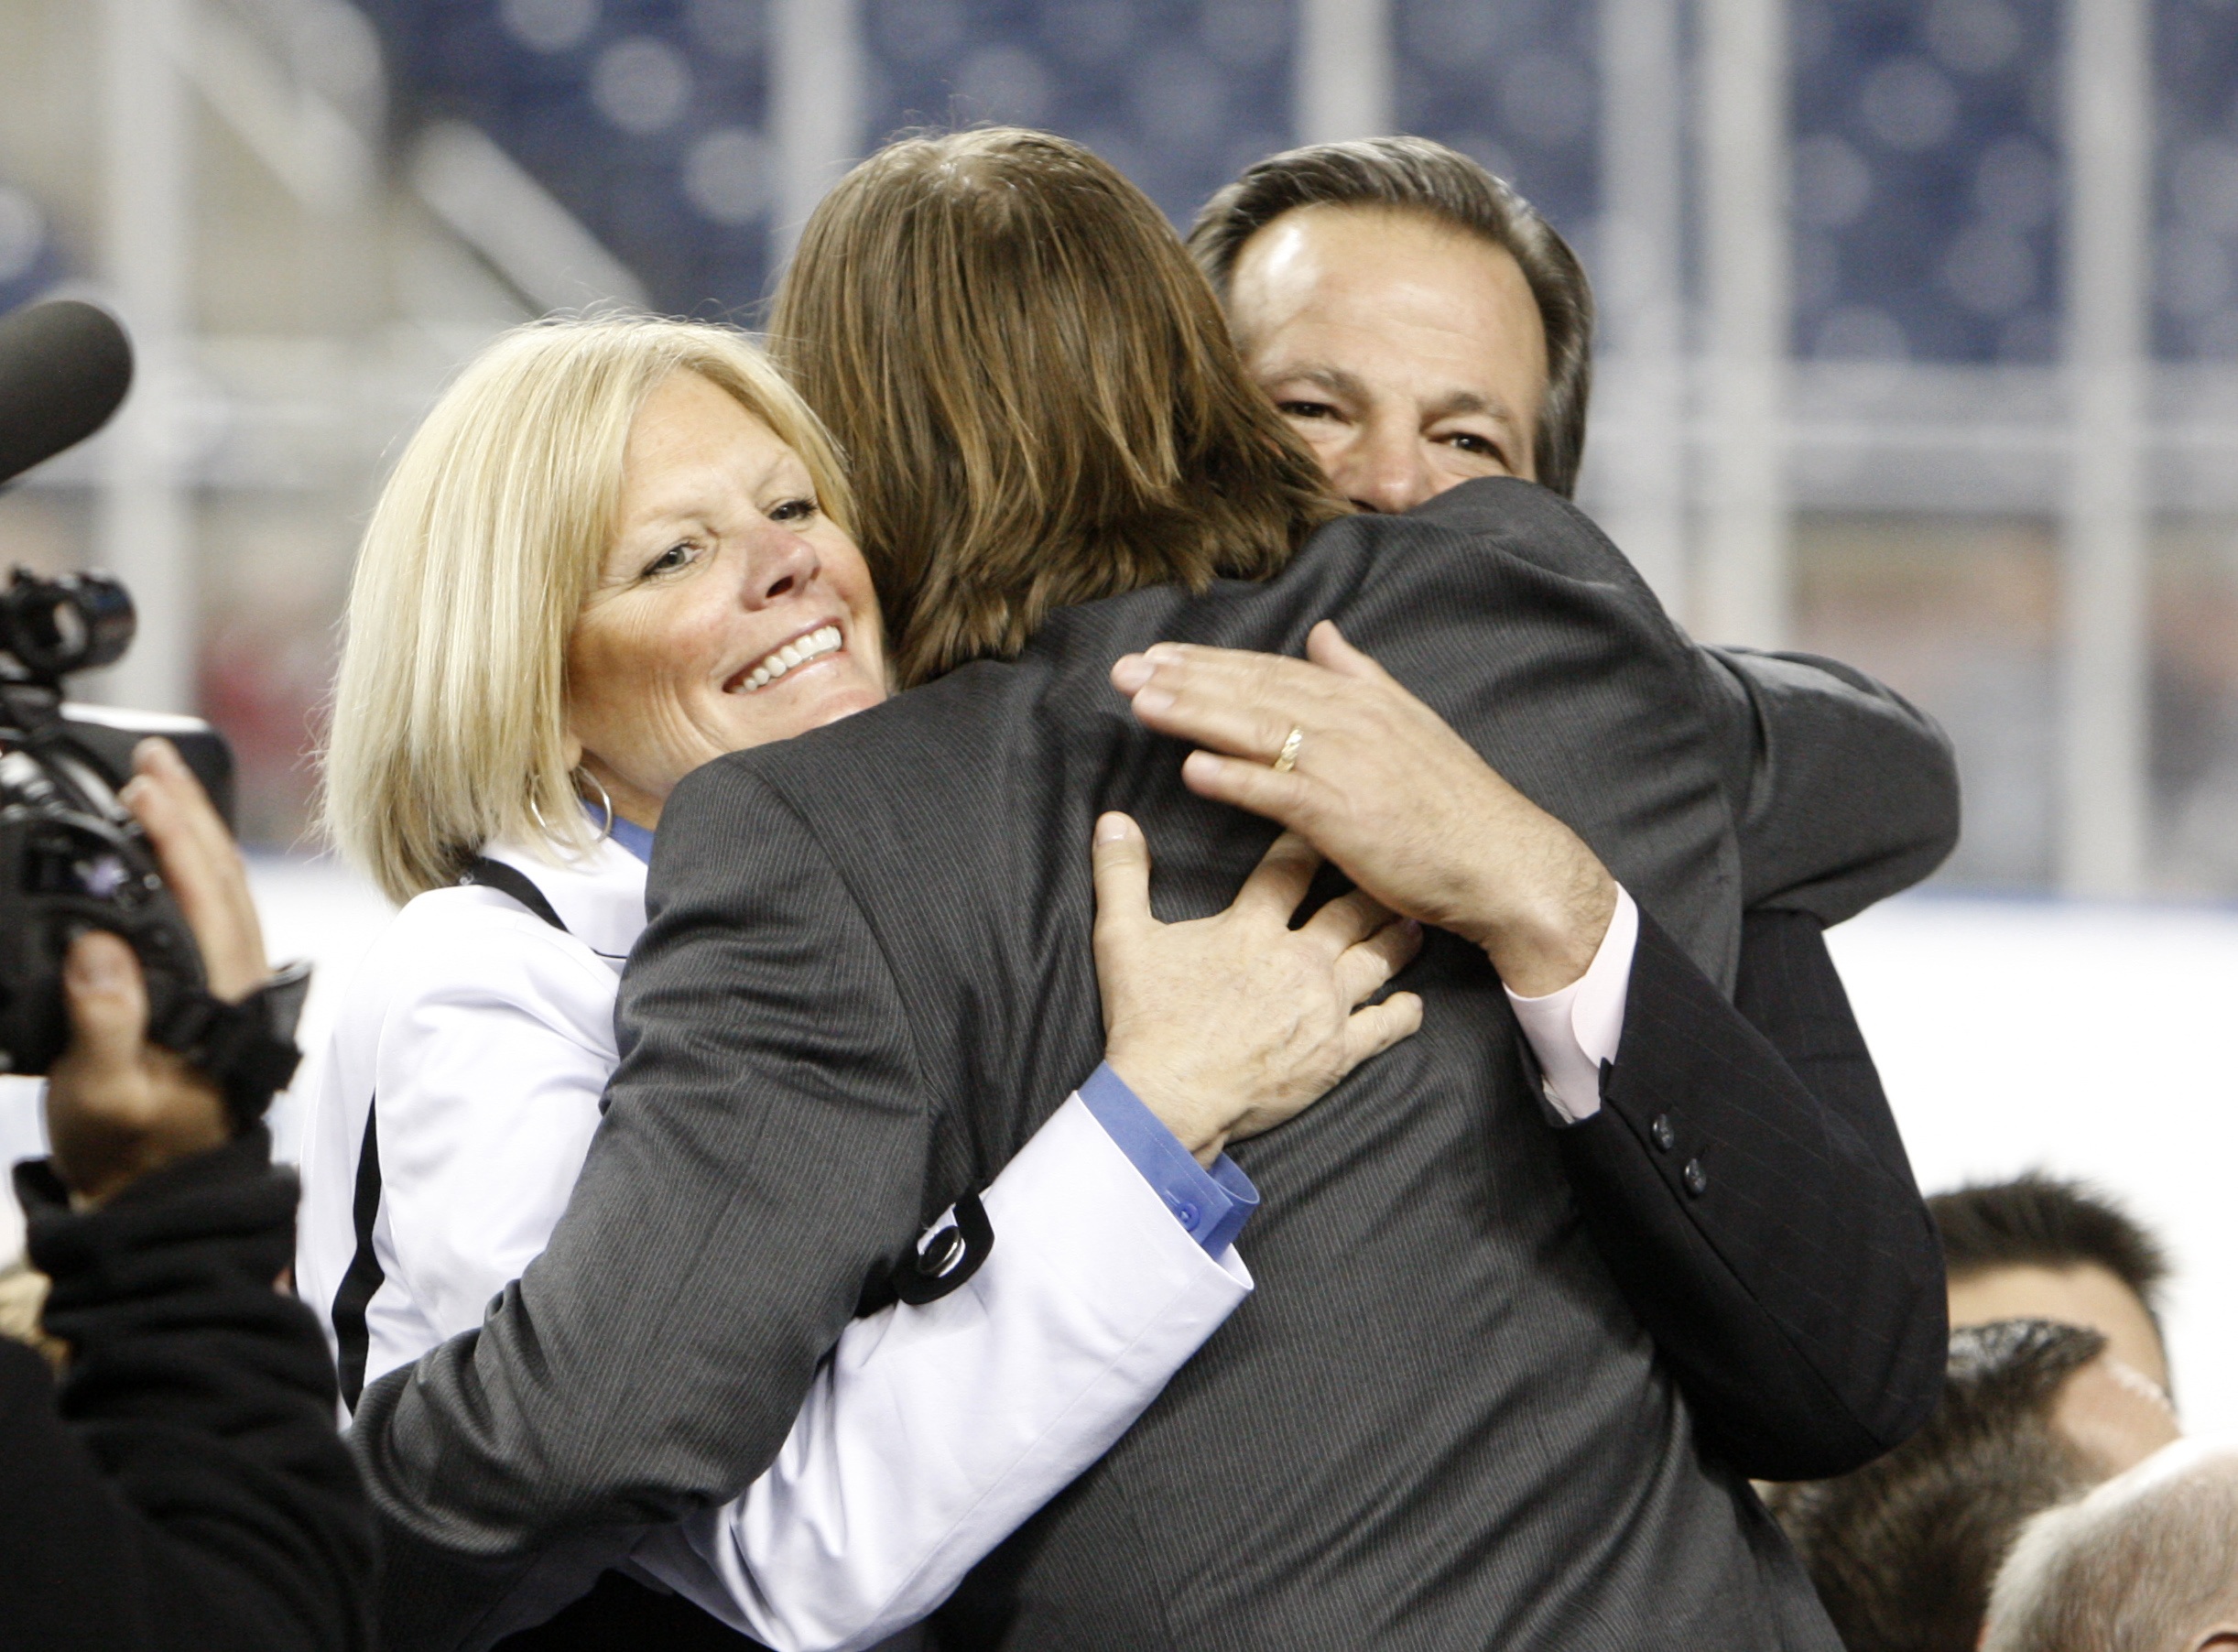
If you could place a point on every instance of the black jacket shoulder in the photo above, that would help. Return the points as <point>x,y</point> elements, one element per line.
<point>187,1487</point>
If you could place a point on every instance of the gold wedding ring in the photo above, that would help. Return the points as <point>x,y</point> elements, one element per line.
<point>1287,760</point>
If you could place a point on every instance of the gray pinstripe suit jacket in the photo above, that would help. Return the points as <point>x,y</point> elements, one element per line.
<point>1439,1423</point>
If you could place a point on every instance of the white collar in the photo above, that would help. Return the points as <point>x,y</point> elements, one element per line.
<point>599,895</point>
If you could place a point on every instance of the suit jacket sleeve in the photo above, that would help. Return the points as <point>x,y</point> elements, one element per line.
<point>186,1488</point>
<point>1746,1183</point>
<point>1798,1297</point>
<point>608,1388</point>
<point>933,1432</point>
<point>1851,792</point>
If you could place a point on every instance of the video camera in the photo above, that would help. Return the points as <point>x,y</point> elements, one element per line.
<point>72,855</point>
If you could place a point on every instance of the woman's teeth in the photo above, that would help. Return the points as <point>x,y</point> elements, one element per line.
<point>814,646</point>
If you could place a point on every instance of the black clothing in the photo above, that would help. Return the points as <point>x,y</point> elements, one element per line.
<point>1440,1422</point>
<point>1789,1374</point>
<point>188,1490</point>
<point>621,1615</point>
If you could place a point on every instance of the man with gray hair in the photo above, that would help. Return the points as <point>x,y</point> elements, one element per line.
<point>2148,1562</point>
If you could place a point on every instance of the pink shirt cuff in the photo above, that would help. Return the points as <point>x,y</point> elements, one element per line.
<point>1574,1030</point>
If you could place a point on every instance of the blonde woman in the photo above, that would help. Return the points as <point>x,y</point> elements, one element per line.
<point>614,550</point>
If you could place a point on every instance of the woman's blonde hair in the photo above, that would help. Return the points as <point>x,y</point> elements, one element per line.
<point>1037,390</point>
<point>450,716</point>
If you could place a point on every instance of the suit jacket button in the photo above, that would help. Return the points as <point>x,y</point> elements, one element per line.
<point>1665,1138</point>
<point>1696,1178</point>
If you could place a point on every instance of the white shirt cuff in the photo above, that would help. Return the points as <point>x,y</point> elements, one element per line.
<point>1574,1030</point>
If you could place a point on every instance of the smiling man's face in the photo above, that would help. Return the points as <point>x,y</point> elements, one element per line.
<point>1408,353</point>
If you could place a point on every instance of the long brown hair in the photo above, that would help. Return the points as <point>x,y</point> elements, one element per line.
<point>1035,389</point>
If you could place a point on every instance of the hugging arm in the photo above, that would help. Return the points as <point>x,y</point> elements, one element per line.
<point>1850,792</point>
<point>1799,1294</point>
<point>1744,1180</point>
<point>1777,1248</point>
<point>762,1162</point>
<point>934,1431</point>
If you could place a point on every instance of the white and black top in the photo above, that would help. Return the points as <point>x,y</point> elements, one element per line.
<point>476,1040</point>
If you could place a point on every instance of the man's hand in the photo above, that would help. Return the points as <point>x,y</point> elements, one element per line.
<point>118,1107</point>
<point>1229,1024</point>
<point>1390,794</point>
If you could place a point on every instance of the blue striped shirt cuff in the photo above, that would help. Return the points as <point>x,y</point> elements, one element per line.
<point>1212,1205</point>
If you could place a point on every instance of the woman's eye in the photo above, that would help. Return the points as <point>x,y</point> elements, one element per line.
<point>668,562</point>
<point>1306,409</point>
<point>793,510</point>
<point>1468,441</point>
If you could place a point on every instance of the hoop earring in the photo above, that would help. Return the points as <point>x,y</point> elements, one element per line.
<point>605,800</point>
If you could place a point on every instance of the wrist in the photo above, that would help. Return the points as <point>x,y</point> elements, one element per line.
<point>96,1174</point>
<point>1173,1101</point>
<point>1544,946</point>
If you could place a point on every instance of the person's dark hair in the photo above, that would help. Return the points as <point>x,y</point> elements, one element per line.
<point>2037,1221</point>
<point>1904,1552</point>
<point>1415,175</point>
<point>1036,391</point>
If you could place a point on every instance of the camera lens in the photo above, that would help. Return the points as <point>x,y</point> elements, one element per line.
<point>76,622</point>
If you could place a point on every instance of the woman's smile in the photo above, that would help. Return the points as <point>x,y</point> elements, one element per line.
<point>730,611</point>
<point>796,656</point>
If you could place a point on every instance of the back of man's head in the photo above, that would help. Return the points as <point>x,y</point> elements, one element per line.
<point>2148,1562</point>
<point>1035,389</point>
<point>1903,1550</point>
<point>2044,1248</point>
<point>1415,175</point>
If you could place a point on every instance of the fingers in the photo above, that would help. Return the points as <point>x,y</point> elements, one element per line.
<point>1131,673</point>
<point>1287,800</point>
<point>183,819</point>
<point>1348,919</point>
<point>201,864</point>
<point>1366,967</point>
<point>116,1106</point>
<point>1376,1028</point>
<point>107,1001</point>
<point>1218,717</point>
<point>1326,647</point>
<point>1229,700</point>
<point>1280,879</point>
<point>1122,860</point>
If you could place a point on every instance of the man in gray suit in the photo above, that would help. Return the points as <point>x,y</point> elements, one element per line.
<point>1441,1423</point>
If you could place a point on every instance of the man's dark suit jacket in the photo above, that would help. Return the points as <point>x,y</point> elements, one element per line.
<point>1442,1421</point>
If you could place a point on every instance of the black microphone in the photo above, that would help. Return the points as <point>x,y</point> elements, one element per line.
<point>64,366</point>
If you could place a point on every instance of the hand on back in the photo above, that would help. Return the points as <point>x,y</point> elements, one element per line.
<point>1389,793</point>
<point>1229,1025</point>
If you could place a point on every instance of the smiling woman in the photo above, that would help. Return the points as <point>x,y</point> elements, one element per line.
<point>595,501</point>
<point>731,610</point>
